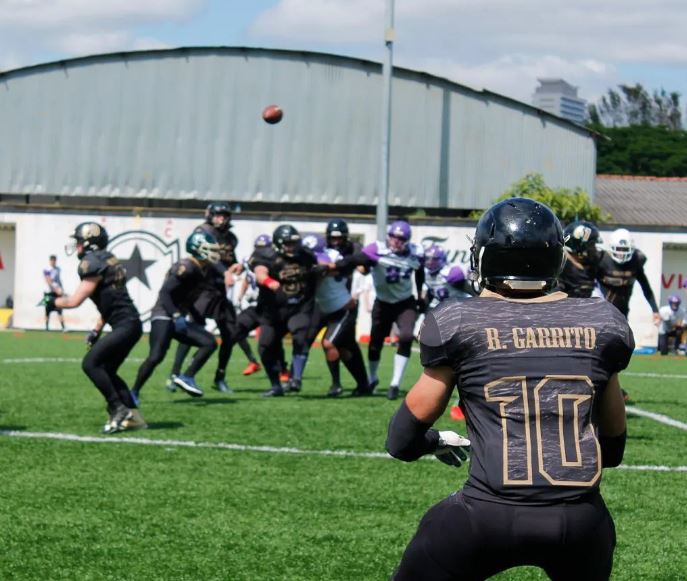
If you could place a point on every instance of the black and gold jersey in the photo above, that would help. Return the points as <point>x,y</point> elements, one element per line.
<point>180,289</point>
<point>529,374</point>
<point>294,274</point>
<point>111,297</point>
<point>617,280</point>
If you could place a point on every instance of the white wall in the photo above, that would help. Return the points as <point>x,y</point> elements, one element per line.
<point>160,240</point>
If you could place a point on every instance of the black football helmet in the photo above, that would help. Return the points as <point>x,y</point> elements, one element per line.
<point>337,233</point>
<point>518,246</point>
<point>581,239</point>
<point>219,209</point>
<point>90,235</point>
<point>286,240</point>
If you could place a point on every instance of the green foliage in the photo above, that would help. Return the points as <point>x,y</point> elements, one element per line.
<point>633,105</point>
<point>108,509</point>
<point>642,150</point>
<point>569,205</point>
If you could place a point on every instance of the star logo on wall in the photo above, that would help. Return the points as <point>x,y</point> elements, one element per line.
<point>136,266</point>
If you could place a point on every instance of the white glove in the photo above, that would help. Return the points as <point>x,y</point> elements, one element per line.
<point>452,449</point>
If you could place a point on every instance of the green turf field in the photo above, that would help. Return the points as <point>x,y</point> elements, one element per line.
<point>152,505</point>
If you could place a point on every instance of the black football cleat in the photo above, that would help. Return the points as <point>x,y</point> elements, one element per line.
<point>294,385</point>
<point>274,391</point>
<point>335,391</point>
<point>393,392</point>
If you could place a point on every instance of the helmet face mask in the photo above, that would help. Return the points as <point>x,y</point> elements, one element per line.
<point>435,258</point>
<point>622,246</point>
<point>203,246</point>
<point>518,246</point>
<point>87,236</point>
<point>398,236</point>
<point>218,215</point>
<point>286,240</point>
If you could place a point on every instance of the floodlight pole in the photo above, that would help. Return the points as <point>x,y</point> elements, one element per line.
<point>387,70</point>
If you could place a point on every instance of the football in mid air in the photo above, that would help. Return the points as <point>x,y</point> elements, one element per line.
<point>272,114</point>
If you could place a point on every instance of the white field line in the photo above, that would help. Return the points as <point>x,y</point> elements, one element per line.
<point>657,375</point>
<point>56,360</point>
<point>247,448</point>
<point>668,421</point>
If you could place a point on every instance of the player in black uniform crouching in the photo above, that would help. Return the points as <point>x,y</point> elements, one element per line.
<point>103,280</point>
<point>582,259</point>
<point>286,277</point>
<point>174,316</point>
<point>537,373</point>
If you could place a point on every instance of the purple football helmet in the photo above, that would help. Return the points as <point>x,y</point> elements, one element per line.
<point>674,302</point>
<point>435,258</point>
<point>398,235</point>
<point>263,241</point>
<point>314,242</point>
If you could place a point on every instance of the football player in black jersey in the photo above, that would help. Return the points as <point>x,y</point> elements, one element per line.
<point>212,303</point>
<point>537,373</point>
<point>175,316</point>
<point>103,280</point>
<point>620,268</point>
<point>286,277</point>
<point>582,258</point>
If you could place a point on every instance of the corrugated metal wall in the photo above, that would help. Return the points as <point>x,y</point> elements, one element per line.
<point>186,123</point>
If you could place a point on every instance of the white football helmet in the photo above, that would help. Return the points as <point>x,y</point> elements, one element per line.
<point>622,245</point>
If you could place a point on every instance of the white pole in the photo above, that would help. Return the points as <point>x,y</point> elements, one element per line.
<point>383,204</point>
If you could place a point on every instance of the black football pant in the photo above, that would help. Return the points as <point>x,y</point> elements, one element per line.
<point>468,539</point>
<point>664,343</point>
<point>224,315</point>
<point>384,315</point>
<point>103,360</point>
<point>341,333</point>
<point>272,332</point>
<point>161,334</point>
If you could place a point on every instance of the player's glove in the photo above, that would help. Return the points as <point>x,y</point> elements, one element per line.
<point>452,449</point>
<point>180,324</point>
<point>48,301</point>
<point>92,338</point>
<point>421,306</point>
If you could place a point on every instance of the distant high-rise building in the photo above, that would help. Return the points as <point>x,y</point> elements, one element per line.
<point>560,98</point>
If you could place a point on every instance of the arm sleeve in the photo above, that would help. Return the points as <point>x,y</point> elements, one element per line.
<point>408,438</point>
<point>172,282</point>
<point>348,263</point>
<point>419,280</point>
<point>646,289</point>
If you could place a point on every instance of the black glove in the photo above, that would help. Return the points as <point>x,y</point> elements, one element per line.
<point>180,324</point>
<point>421,306</point>
<point>452,449</point>
<point>92,338</point>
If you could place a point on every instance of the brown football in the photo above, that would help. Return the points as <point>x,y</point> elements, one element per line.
<point>272,114</point>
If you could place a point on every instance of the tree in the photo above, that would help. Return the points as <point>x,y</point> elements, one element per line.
<point>633,105</point>
<point>568,205</point>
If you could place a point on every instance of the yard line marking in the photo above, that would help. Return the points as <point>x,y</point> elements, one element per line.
<point>656,417</point>
<point>56,360</point>
<point>248,448</point>
<point>662,375</point>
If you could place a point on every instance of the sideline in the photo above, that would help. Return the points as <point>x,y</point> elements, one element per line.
<point>247,448</point>
<point>660,418</point>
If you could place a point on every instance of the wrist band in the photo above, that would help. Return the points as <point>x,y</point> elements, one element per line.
<point>268,280</point>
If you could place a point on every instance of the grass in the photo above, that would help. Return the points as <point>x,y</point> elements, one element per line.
<point>95,511</point>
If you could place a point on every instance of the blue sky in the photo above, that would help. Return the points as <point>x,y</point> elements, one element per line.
<point>499,45</point>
